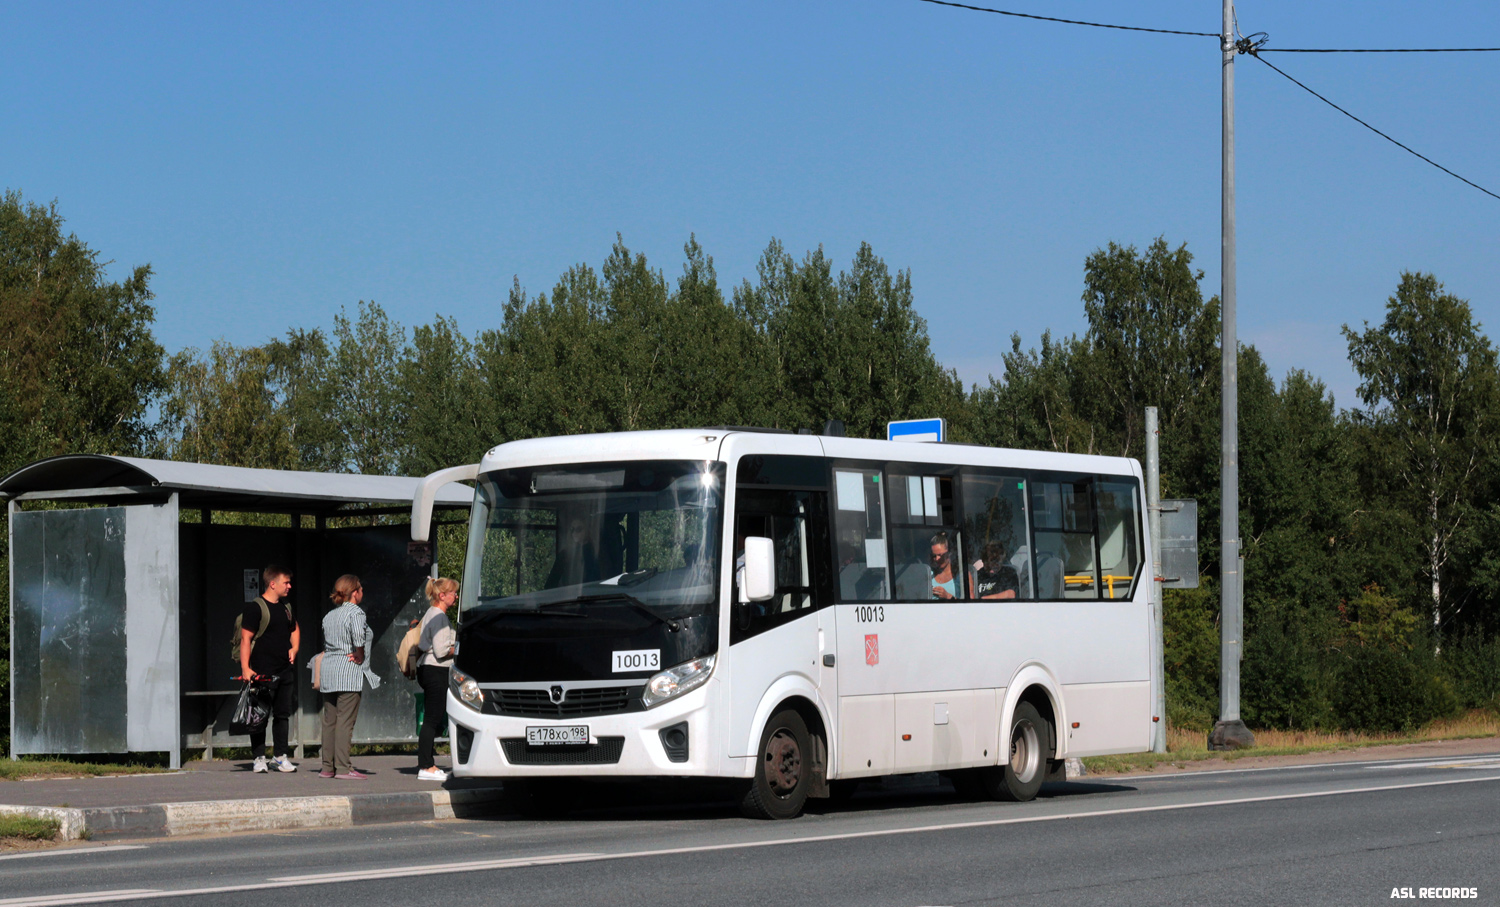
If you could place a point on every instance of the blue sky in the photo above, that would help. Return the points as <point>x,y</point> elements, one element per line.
<point>274,162</point>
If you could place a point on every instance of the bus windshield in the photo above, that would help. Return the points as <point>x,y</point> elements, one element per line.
<point>568,539</point>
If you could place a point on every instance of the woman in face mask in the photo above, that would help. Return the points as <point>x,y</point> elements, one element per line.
<point>345,668</point>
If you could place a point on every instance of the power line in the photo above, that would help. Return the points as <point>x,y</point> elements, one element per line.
<point>1001,12</point>
<point>1382,50</point>
<point>1252,52</point>
<point>1254,45</point>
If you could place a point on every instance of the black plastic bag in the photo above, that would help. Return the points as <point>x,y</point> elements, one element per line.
<point>252,710</point>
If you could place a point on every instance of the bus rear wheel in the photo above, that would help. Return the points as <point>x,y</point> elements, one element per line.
<point>782,773</point>
<point>1020,777</point>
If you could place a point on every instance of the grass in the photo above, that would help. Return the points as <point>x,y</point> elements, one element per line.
<point>27,768</point>
<point>1184,745</point>
<point>26,828</point>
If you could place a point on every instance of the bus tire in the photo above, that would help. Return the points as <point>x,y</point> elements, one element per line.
<point>782,772</point>
<point>1020,778</point>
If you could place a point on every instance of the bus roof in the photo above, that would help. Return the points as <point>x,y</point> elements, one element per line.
<point>729,443</point>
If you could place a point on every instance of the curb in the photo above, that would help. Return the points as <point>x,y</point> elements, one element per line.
<point>271,814</point>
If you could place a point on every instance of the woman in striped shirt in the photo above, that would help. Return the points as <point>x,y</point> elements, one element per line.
<point>347,639</point>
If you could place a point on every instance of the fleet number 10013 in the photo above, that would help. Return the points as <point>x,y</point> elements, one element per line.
<point>870,614</point>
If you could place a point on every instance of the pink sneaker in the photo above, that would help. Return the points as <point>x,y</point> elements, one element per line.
<point>326,773</point>
<point>352,775</point>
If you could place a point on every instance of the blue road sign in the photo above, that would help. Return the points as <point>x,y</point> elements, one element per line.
<point>916,430</point>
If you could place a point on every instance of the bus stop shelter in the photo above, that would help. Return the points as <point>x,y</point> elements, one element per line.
<point>126,575</point>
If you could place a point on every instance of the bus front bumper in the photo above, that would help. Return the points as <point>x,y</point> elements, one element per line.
<point>645,743</point>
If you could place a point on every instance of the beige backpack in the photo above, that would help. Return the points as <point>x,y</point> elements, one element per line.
<point>407,654</point>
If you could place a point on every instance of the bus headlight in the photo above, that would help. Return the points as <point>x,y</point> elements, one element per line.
<point>465,689</point>
<point>674,682</point>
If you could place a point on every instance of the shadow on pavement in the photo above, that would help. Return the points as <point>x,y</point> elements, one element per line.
<point>683,799</point>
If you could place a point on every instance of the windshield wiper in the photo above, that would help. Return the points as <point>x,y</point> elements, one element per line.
<point>634,603</point>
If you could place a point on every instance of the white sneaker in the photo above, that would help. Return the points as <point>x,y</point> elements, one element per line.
<point>283,764</point>
<point>260,764</point>
<point>432,774</point>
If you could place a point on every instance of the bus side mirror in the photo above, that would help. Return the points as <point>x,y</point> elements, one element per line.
<point>759,580</point>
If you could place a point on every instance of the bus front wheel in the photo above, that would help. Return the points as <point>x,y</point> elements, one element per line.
<point>1019,778</point>
<point>779,788</point>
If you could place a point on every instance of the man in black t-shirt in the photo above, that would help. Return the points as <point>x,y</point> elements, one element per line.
<point>269,660</point>
<point>994,577</point>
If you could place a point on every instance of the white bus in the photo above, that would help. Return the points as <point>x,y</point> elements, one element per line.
<point>797,611</point>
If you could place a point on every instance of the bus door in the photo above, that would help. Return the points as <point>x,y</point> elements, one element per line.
<point>793,631</point>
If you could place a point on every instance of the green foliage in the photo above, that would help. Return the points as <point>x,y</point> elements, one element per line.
<point>1377,620</point>
<point>1285,681</point>
<point>1471,664</point>
<point>850,347</point>
<point>1432,396</point>
<point>29,828</point>
<point>1190,626</point>
<point>1382,689</point>
<point>77,357</point>
<point>1152,341</point>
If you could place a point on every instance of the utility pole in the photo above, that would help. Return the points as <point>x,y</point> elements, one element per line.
<point>1229,732</point>
<point>1158,653</point>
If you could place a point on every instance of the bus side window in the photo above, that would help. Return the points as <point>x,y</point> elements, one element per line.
<point>999,564</point>
<point>1063,524</point>
<point>1119,537</point>
<point>859,521</point>
<point>928,558</point>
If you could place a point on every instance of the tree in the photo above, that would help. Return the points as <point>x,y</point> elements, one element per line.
<point>77,356</point>
<point>364,392</point>
<point>221,409</point>
<point>449,407</point>
<point>850,347</point>
<point>1429,385</point>
<point>1152,341</point>
<point>1034,406</point>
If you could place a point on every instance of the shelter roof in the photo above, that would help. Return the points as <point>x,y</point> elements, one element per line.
<point>107,479</point>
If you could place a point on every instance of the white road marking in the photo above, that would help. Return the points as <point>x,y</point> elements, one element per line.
<point>93,897</point>
<point>1354,763</point>
<point>96,848</point>
<point>1475,762</point>
<point>100,897</point>
<point>402,872</point>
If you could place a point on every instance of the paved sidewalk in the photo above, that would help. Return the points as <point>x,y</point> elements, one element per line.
<point>225,796</point>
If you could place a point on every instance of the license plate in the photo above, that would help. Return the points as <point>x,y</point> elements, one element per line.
<point>574,735</point>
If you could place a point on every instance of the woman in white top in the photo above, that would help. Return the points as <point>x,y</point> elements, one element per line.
<point>436,645</point>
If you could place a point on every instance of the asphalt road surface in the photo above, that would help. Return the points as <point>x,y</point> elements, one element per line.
<point>1351,833</point>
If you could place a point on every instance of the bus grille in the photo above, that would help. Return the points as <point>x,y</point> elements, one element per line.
<point>605,752</point>
<point>581,702</point>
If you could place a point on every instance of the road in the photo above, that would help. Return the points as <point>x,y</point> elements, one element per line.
<point>1329,834</point>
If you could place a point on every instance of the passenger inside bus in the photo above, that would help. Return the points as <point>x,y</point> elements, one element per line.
<point>994,578</point>
<point>944,580</point>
